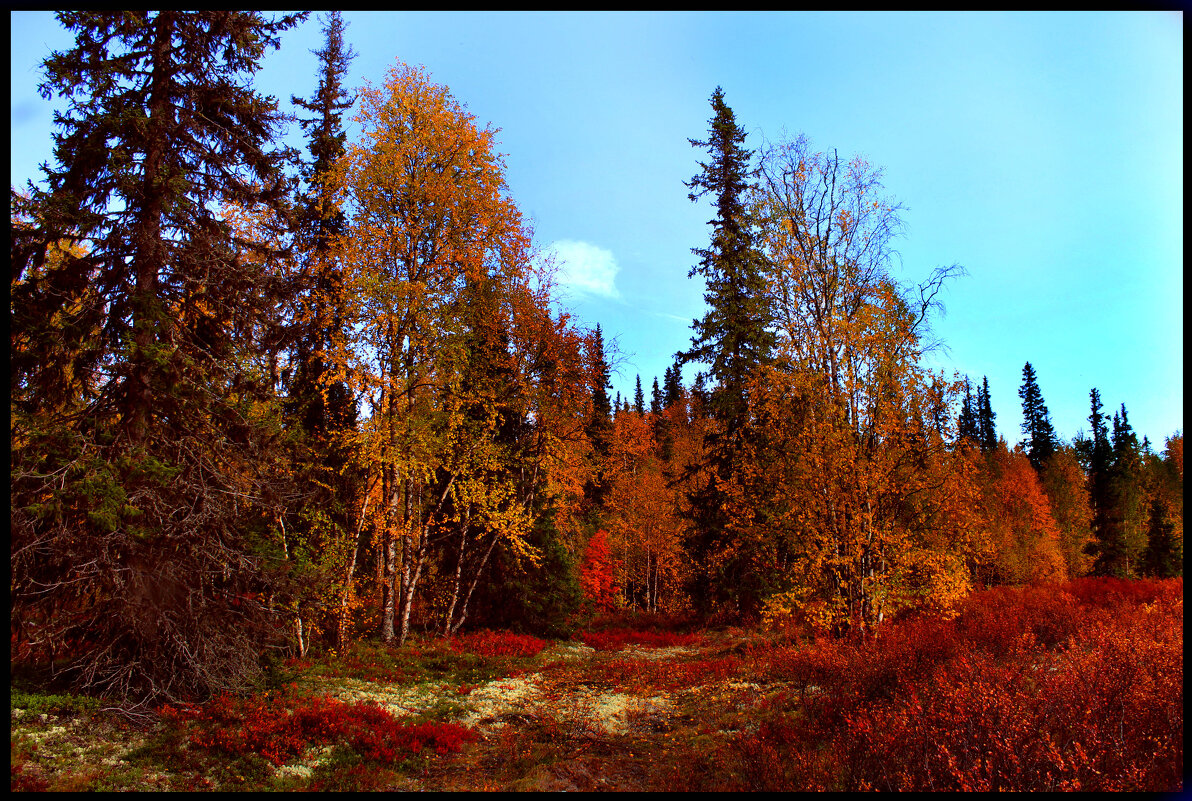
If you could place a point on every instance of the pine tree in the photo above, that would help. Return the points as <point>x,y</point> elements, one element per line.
<point>601,411</point>
<point>639,399</point>
<point>1126,507</point>
<point>672,385</point>
<point>599,429</point>
<point>1163,556</point>
<point>987,433</point>
<point>145,531</point>
<point>1036,421</point>
<point>733,338</point>
<point>966,423</point>
<point>656,399</point>
<point>1099,456</point>
<point>321,409</point>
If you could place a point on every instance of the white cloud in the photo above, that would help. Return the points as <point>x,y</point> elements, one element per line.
<point>585,268</point>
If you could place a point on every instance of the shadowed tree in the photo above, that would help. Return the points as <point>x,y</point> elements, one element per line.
<point>986,431</point>
<point>1036,421</point>
<point>733,337</point>
<point>136,517</point>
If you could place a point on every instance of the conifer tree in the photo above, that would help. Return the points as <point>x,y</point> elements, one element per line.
<point>966,424</point>
<point>599,429</point>
<point>1099,456</point>
<point>656,404</point>
<point>1126,508</point>
<point>1036,421</point>
<point>987,433</point>
<point>144,556</point>
<point>320,408</point>
<point>639,399</point>
<point>733,337</point>
<point>672,385</point>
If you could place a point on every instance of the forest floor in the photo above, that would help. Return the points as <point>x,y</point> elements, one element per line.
<point>570,717</point>
<point>1058,687</point>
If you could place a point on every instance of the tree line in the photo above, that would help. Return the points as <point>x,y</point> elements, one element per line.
<point>264,401</point>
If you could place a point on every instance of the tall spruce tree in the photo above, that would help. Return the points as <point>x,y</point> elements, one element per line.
<point>599,429</point>
<point>672,385</point>
<point>656,404</point>
<point>639,398</point>
<point>986,431</point>
<point>1036,421</point>
<point>1126,503</point>
<point>1107,544</point>
<point>320,408</point>
<point>966,423</point>
<point>733,338</point>
<point>134,519</point>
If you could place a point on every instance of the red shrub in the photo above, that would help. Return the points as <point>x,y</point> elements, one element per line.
<point>615,639</point>
<point>1111,593</point>
<point>663,676</point>
<point>497,643</point>
<point>1029,690</point>
<point>280,727</point>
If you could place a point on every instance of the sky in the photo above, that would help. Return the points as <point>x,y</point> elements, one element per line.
<point>1043,152</point>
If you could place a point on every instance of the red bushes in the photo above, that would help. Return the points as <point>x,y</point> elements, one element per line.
<point>281,727</point>
<point>497,643</point>
<point>1034,689</point>
<point>662,676</point>
<point>615,639</point>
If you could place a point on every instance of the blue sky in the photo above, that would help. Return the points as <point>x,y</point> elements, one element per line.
<point>1041,151</point>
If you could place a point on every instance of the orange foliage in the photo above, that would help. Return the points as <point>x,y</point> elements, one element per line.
<point>1025,538</point>
<point>642,512</point>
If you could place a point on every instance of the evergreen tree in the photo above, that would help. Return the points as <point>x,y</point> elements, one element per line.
<point>1036,421</point>
<point>322,409</point>
<point>1098,454</point>
<point>987,433</point>
<point>639,399</point>
<point>966,423</point>
<point>600,425</point>
<point>656,399</point>
<point>149,529</point>
<point>672,386</point>
<point>1163,557</point>
<point>733,337</point>
<point>601,411</point>
<point>1126,507</point>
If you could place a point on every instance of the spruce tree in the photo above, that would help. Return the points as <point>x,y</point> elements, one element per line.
<point>322,406</point>
<point>161,492</point>
<point>600,425</point>
<point>639,399</point>
<point>1099,456</point>
<point>1126,507</point>
<point>672,386</point>
<point>321,411</point>
<point>656,399</point>
<point>1036,421</point>
<point>966,423</point>
<point>987,433</point>
<point>733,339</point>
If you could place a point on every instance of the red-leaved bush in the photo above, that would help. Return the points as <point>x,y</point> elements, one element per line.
<point>280,727</point>
<point>615,639</point>
<point>1071,687</point>
<point>497,643</point>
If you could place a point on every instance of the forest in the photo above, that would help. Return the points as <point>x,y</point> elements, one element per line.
<point>276,411</point>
